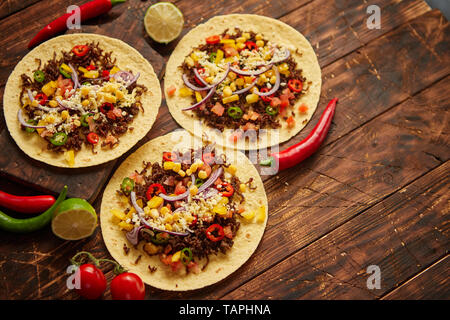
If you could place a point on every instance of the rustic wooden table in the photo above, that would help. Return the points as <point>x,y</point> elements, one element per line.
<point>377,192</point>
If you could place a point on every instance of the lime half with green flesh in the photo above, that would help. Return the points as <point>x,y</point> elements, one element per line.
<point>74,219</point>
<point>163,22</point>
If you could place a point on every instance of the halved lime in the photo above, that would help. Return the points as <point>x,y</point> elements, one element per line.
<point>74,219</point>
<point>163,22</point>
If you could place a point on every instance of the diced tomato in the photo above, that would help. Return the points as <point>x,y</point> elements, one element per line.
<point>218,109</point>
<point>117,112</point>
<point>179,188</point>
<point>249,126</point>
<point>284,103</point>
<point>176,266</point>
<point>194,267</point>
<point>170,181</point>
<point>213,39</point>
<point>227,231</point>
<point>111,140</point>
<point>110,115</point>
<point>230,51</point>
<point>218,181</point>
<point>303,108</point>
<point>275,102</point>
<point>166,259</point>
<point>254,116</point>
<point>290,122</point>
<point>171,90</point>
<point>137,178</point>
<point>207,168</point>
<point>64,85</point>
<point>286,92</point>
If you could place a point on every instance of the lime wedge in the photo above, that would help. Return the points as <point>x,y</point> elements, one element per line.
<point>163,22</point>
<point>74,219</point>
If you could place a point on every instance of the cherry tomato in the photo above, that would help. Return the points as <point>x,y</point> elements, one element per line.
<point>266,98</point>
<point>64,84</point>
<point>213,39</point>
<point>92,281</point>
<point>127,286</point>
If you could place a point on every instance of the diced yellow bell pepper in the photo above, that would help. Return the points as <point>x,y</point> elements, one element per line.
<point>165,211</point>
<point>185,92</point>
<point>240,82</point>
<point>219,56</point>
<point>228,41</point>
<point>242,187</point>
<point>193,190</point>
<point>198,96</point>
<point>231,169</point>
<point>70,157</point>
<point>248,215</point>
<point>66,68</point>
<point>92,74</point>
<point>261,216</point>
<point>49,88</point>
<point>114,70</point>
<point>176,256</point>
<point>126,226</point>
<point>64,114</point>
<point>229,99</point>
<point>252,98</point>
<point>155,202</point>
<point>176,167</point>
<point>220,209</point>
<point>227,91</point>
<point>82,69</point>
<point>120,215</point>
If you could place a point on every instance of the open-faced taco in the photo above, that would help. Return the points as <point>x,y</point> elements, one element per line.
<point>251,81</point>
<point>183,214</point>
<point>80,100</point>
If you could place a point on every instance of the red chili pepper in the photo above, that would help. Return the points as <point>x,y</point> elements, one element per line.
<point>216,228</point>
<point>305,148</point>
<point>226,189</point>
<point>151,190</point>
<point>81,50</point>
<point>91,67</point>
<point>106,107</point>
<point>92,137</point>
<point>213,39</point>
<point>266,98</point>
<point>41,98</point>
<point>87,11</point>
<point>208,158</point>
<point>251,45</point>
<point>194,222</point>
<point>295,85</point>
<point>26,204</point>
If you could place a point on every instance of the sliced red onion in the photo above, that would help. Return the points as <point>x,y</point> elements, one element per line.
<point>74,77</point>
<point>193,87</point>
<point>24,123</point>
<point>40,107</point>
<point>133,80</point>
<point>198,104</point>
<point>200,78</point>
<point>123,76</point>
<point>141,214</point>
<point>274,88</point>
<point>133,235</point>
<point>178,197</point>
<point>252,73</point>
<point>246,88</point>
<point>212,178</point>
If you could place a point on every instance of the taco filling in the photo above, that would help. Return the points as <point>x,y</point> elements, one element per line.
<point>186,209</point>
<point>240,80</point>
<point>81,98</point>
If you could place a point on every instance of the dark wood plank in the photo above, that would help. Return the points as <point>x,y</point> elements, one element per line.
<point>401,235</point>
<point>430,284</point>
<point>8,7</point>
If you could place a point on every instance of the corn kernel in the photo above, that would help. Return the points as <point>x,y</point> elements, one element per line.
<point>155,202</point>
<point>176,167</point>
<point>193,190</point>
<point>220,209</point>
<point>248,79</point>
<point>85,103</point>
<point>283,67</point>
<point>176,256</point>
<point>259,43</point>
<point>229,99</point>
<point>261,216</point>
<point>77,122</point>
<point>185,92</point>
<point>246,35</point>
<point>224,200</point>
<point>259,36</point>
<point>168,165</point>
<point>273,79</point>
<point>50,119</point>
<point>248,215</point>
<point>168,227</point>
<point>233,86</point>
<point>124,200</point>
<point>232,75</point>
<point>175,216</point>
<point>231,169</point>
<point>140,203</point>
<point>126,226</point>
<point>49,88</point>
<point>209,79</point>
<point>227,91</point>
<point>242,187</point>
<point>227,41</point>
<point>240,46</point>
<point>53,103</point>
<point>70,157</point>
<point>240,82</point>
<point>202,174</point>
<point>188,172</point>
<point>241,40</point>
<point>164,211</point>
<point>252,98</point>
<point>194,56</point>
<point>182,173</point>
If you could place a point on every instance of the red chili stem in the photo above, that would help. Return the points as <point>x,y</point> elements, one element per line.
<point>88,11</point>
<point>26,204</point>
<point>305,148</point>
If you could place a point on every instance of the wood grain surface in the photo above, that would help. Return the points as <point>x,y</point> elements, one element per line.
<point>376,193</point>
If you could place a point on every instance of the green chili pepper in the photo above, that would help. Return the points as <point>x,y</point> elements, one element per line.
<point>64,72</point>
<point>186,256</point>
<point>10,224</point>
<point>271,111</point>
<point>160,238</point>
<point>86,83</point>
<point>39,76</point>
<point>212,57</point>
<point>32,122</point>
<point>83,121</point>
<point>199,182</point>
<point>59,138</point>
<point>127,185</point>
<point>235,112</point>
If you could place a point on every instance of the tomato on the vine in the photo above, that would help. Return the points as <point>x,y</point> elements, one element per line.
<point>127,286</point>
<point>92,281</point>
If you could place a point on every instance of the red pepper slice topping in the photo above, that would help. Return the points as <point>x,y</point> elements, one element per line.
<point>208,158</point>
<point>80,50</point>
<point>194,222</point>
<point>251,45</point>
<point>41,98</point>
<point>92,137</point>
<point>106,107</point>
<point>213,39</point>
<point>169,156</point>
<point>105,73</point>
<point>266,98</point>
<point>295,85</point>
<point>151,190</point>
<point>225,189</point>
<point>217,229</point>
<point>91,67</point>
